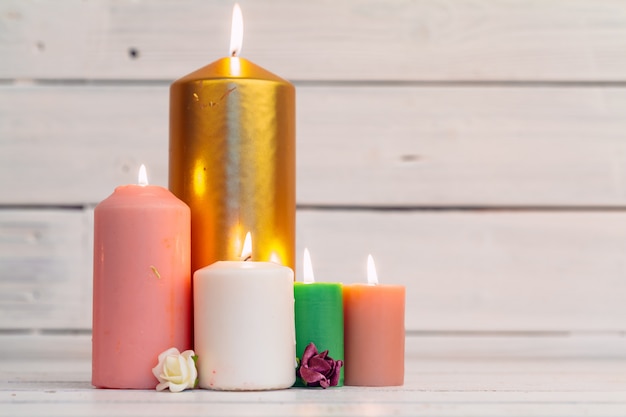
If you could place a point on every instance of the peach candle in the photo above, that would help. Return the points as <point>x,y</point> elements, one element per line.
<point>374,332</point>
<point>142,283</point>
<point>244,325</point>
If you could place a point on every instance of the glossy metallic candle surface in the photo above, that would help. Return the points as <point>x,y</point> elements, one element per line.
<point>232,160</point>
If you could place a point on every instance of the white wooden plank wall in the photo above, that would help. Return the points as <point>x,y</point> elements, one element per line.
<point>476,148</point>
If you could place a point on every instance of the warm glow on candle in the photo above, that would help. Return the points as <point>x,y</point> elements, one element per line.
<point>236,31</point>
<point>143,176</point>
<point>199,184</point>
<point>235,66</point>
<point>307,268</point>
<point>275,258</point>
<point>372,277</point>
<point>246,252</point>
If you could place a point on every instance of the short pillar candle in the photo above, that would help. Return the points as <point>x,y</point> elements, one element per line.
<point>319,316</point>
<point>141,284</point>
<point>244,326</point>
<point>374,332</point>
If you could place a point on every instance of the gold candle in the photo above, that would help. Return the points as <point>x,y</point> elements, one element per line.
<point>232,158</point>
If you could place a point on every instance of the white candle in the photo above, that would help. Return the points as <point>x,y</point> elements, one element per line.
<point>244,326</point>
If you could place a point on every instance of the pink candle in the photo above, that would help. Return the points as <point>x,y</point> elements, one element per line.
<point>142,284</point>
<point>373,332</point>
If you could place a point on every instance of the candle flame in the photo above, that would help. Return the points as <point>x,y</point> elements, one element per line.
<point>372,277</point>
<point>236,31</point>
<point>143,176</point>
<point>307,268</point>
<point>246,252</point>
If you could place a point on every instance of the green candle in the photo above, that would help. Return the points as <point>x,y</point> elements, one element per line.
<point>319,316</point>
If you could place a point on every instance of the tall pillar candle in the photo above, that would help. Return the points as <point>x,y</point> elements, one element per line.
<point>374,332</point>
<point>244,326</point>
<point>142,284</point>
<point>232,158</point>
<point>319,316</point>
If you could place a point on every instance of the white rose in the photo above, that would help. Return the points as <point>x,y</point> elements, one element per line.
<point>176,371</point>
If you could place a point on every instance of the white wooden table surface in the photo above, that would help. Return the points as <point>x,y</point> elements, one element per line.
<point>538,375</point>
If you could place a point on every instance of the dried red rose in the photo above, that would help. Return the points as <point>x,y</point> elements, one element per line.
<point>319,369</point>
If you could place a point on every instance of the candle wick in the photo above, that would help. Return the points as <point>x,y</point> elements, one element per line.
<point>247,258</point>
<point>233,53</point>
